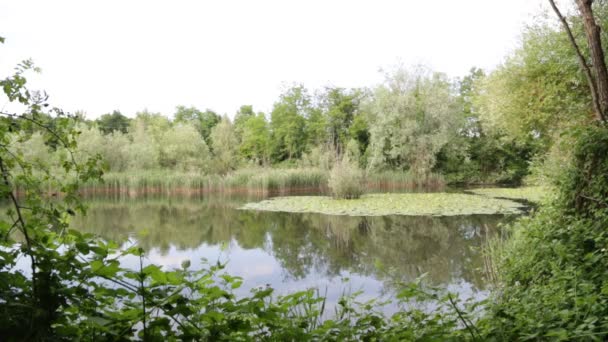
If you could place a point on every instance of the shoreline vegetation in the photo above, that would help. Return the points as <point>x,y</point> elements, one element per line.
<point>257,181</point>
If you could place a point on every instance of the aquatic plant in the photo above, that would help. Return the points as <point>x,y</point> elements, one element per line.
<point>529,193</point>
<point>346,180</point>
<point>415,204</point>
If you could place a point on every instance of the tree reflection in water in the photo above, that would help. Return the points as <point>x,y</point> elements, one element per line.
<point>297,251</point>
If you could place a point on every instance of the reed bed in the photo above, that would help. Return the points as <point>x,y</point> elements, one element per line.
<point>266,181</point>
<point>396,180</point>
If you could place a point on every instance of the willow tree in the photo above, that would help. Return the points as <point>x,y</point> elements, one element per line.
<point>182,148</point>
<point>224,143</point>
<point>412,112</point>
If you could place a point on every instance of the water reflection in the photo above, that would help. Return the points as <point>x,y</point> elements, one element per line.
<point>297,251</point>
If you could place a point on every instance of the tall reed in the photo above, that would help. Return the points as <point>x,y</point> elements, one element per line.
<point>272,181</point>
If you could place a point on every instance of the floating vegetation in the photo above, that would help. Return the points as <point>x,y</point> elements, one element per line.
<point>529,193</point>
<point>411,204</point>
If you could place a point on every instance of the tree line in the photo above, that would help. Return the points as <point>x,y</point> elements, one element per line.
<point>417,121</point>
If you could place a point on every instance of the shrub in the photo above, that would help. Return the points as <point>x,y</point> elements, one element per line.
<point>346,180</point>
<point>552,271</point>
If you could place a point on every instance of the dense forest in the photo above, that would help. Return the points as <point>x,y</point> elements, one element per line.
<point>539,117</point>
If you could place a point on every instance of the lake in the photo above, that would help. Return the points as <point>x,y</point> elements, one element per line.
<point>290,252</point>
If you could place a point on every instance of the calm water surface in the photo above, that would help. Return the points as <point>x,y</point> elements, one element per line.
<point>293,252</point>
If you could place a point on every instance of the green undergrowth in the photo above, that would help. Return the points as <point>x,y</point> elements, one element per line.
<point>552,271</point>
<point>413,204</point>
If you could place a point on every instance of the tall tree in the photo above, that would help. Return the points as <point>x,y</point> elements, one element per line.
<point>596,71</point>
<point>288,123</point>
<point>412,115</point>
<point>341,106</point>
<point>240,118</point>
<point>224,144</point>
<point>255,140</point>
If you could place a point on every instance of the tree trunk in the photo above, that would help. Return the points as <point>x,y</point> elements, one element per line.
<point>592,31</point>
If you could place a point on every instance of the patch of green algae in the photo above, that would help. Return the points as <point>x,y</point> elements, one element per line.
<point>528,193</point>
<point>410,204</point>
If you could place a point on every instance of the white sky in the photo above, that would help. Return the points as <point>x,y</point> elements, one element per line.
<point>129,55</point>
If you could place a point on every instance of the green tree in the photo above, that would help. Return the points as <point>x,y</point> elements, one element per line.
<point>413,114</point>
<point>316,128</point>
<point>115,121</point>
<point>203,121</point>
<point>477,155</point>
<point>288,124</point>
<point>143,153</point>
<point>535,92</point>
<point>340,106</point>
<point>359,131</point>
<point>182,148</point>
<point>154,124</point>
<point>225,145</point>
<point>255,140</point>
<point>242,115</point>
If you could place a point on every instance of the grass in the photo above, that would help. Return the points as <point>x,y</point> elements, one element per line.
<point>273,181</point>
<point>412,204</point>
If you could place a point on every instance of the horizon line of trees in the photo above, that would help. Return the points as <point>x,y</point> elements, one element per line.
<point>495,127</point>
<point>417,121</point>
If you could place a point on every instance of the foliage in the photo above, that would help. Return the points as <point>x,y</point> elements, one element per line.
<point>536,91</point>
<point>182,148</point>
<point>476,154</point>
<point>114,122</point>
<point>32,229</point>
<point>346,180</point>
<point>412,114</point>
<point>312,131</point>
<point>240,120</point>
<point>552,281</point>
<point>202,121</point>
<point>142,152</point>
<point>255,140</point>
<point>341,107</point>
<point>224,144</point>
<point>288,124</point>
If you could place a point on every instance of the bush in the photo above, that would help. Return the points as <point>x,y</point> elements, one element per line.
<point>346,180</point>
<point>552,271</point>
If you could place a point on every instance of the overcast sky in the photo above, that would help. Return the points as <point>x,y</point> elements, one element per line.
<point>129,55</point>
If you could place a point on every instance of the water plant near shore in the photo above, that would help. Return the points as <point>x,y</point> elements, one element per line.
<point>414,204</point>
<point>529,193</point>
